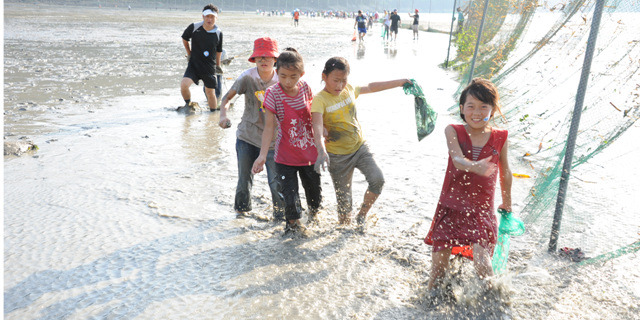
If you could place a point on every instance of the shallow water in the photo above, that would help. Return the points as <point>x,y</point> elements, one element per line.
<point>125,211</point>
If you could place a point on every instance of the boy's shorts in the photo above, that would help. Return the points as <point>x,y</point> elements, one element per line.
<point>209,79</point>
<point>341,168</point>
<point>414,27</point>
<point>394,29</point>
<point>362,30</point>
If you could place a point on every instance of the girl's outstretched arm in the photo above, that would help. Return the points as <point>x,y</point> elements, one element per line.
<point>506,178</point>
<point>483,167</point>
<point>384,85</point>
<point>267,137</point>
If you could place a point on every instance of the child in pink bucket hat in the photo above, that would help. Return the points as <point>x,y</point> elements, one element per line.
<point>264,47</point>
<point>253,83</point>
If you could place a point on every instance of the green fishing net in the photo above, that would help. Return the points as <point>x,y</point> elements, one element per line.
<point>509,226</point>
<point>425,115</point>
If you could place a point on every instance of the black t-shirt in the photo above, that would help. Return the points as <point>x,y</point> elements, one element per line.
<point>362,20</point>
<point>204,46</point>
<point>416,17</point>
<point>394,20</point>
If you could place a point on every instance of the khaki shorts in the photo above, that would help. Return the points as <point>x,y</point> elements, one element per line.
<point>341,167</point>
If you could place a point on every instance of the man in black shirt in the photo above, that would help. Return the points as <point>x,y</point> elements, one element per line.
<point>395,21</point>
<point>203,55</point>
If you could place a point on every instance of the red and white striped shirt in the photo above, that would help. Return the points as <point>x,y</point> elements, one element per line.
<point>294,143</point>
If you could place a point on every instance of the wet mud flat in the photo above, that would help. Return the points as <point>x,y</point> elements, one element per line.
<point>125,210</point>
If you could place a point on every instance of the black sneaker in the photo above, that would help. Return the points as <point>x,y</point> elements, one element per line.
<point>278,216</point>
<point>295,230</point>
<point>312,216</point>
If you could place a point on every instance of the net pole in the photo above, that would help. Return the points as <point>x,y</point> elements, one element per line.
<point>453,17</point>
<point>475,51</point>
<point>575,123</point>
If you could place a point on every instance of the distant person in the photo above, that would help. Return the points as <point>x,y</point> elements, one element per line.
<point>296,17</point>
<point>370,22</point>
<point>252,83</point>
<point>203,55</point>
<point>361,24</point>
<point>416,23</point>
<point>288,102</point>
<point>465,218</point>
<point>460,20</point>
<point>395,21</point>
<point>334,108</point>
<point>387,24</point>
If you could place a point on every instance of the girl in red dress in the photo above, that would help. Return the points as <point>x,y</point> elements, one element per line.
<point>465,222</point>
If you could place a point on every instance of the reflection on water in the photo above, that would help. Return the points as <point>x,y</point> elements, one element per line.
<point>361,51</point>
<point>201,136</point>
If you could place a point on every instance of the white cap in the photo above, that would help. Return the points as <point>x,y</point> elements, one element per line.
<point>208,12</point>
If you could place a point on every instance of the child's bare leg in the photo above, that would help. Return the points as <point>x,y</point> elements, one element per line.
<point>482,261</point>
<point>439,266</point>
<point>184,88</point>
<point>211,98</point>
<point>369,199</point>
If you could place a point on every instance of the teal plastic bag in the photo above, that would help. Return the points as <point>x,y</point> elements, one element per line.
<point>509,226</point>
<point>425,115</point>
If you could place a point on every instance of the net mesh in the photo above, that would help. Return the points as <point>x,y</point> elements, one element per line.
<point>534,52</point>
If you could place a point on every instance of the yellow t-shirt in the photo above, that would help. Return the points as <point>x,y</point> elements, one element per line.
<point>340,119</point>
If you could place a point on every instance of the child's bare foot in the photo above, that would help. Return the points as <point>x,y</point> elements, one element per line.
<point>344,219</point>
<point>361,221</point>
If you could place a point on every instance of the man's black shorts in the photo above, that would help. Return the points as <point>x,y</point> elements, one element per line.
<point>209,79</point>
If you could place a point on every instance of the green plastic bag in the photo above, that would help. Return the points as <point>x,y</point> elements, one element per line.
<point>425,115</point>
<point>509,226</point>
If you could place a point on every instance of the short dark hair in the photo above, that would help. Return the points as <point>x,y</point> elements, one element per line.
<point>336,63</point>
<point>290,59</point>
<point>483,90</point>
<point>211,7</point>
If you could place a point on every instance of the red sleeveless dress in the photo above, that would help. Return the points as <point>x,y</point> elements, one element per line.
<point>465,213</point>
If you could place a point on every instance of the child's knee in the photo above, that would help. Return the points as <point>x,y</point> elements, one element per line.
<point>376,184</point>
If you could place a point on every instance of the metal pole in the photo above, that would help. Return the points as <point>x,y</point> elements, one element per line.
<point>475,51</point>
<point>575,123</point>
<point>429,24</point>
<point>453,17</point>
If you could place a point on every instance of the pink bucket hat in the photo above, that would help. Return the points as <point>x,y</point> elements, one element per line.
<point>264,47</point>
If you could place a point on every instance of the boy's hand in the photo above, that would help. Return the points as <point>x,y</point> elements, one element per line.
<point>188,56</point>
<point>224,122</point>
<point>320,161</point>
<point>258,165</point>
<point>219,70</point>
